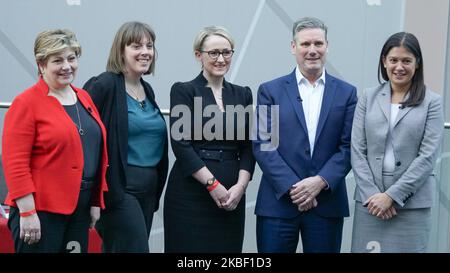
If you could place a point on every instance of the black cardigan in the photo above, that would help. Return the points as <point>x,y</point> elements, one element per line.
<point>109,95</point>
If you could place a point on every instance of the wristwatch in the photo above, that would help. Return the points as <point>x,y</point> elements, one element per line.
<point>210,182</point>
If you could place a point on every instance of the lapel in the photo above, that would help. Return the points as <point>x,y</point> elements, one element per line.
<point>402,112</point>
<point>86,104</point>
<point>122,117</point>
<point>227,98</point>
<point>294,97</point>
<point>384,100</point>
<point>329,93</point>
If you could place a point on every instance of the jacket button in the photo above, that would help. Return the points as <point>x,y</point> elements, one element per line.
<point>398,163</point>
<point>307,151</point>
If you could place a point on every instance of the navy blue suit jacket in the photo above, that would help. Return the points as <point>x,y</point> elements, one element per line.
<point>291,161</point>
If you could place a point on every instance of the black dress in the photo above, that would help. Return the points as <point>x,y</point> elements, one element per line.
<point>192,220</point>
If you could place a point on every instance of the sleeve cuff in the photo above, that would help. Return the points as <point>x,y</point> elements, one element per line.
<point>327,187</point>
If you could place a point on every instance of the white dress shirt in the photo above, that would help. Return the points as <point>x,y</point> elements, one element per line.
<point>311,95</point>
<point>389,157</point>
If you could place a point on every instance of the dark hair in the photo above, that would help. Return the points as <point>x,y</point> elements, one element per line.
<point>410,43</point>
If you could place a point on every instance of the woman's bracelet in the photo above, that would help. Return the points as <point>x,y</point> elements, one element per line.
<point>27,213</point>
<point>213,186</point>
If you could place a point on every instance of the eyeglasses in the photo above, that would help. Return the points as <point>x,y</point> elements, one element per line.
<point>214,54</point>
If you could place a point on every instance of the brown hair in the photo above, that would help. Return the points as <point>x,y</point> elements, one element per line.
<point>128,33</point>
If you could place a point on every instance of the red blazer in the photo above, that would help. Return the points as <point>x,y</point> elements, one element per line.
<point>42,151</point>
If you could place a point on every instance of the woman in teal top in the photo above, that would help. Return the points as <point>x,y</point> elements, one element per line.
<point>137,140</point>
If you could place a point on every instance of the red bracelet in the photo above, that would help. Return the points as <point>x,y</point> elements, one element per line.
<point>213,186</point>
<point>27,213</point>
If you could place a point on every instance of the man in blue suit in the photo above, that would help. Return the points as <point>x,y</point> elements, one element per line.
<point>303,188</point>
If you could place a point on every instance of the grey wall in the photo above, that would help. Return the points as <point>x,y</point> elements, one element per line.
<point>356,32</point>
<point>440,239</point>
<point>432,34</point>
<point>262,30</point>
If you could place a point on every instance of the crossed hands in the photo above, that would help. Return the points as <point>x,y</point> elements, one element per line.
<point>227,199</point>
<point>304,192</point>
<point>381,206</point>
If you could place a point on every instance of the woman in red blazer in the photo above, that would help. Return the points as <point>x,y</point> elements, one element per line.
<point>54,154</point>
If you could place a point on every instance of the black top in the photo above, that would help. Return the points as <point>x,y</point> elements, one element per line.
<point>185,150</point>
<point>109,95</point>
<point>91,139</point>
<point>192,220</point>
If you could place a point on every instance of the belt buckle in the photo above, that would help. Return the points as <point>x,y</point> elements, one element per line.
<point>213,155</point>
<point>206,154</point>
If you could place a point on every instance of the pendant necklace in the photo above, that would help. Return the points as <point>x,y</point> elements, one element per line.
<point>140,103</point>
<point>80,130</point>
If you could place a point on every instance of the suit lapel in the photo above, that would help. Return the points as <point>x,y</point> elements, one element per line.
<point>402,112</point>
<point>122,117</point>
<point>294,97</point>
<point>329,93</point>
<point>384,100</point>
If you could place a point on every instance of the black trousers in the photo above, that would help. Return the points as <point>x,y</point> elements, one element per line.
<point>59,232</point>
<point>125,227</point>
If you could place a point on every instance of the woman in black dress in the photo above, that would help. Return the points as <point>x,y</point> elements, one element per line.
<point>204,206</point>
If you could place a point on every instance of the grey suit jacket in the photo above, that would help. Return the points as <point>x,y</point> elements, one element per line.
<point>417,136</point>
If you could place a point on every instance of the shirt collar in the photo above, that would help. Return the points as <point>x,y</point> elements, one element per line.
<point>43,87</point>
<point>299,76</point>
<point>202,81</point>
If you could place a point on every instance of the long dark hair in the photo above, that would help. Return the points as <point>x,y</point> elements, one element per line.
<point>410,42</point>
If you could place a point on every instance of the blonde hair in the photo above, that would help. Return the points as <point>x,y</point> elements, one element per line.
<point>54,41</point>
<point>209,31</point>
<point>128,33</point>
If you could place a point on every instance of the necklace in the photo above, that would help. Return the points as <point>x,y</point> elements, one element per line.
<point>80,130</point>
<point>141,103</point>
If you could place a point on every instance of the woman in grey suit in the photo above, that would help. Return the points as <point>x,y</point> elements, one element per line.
<point>397,131</point>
